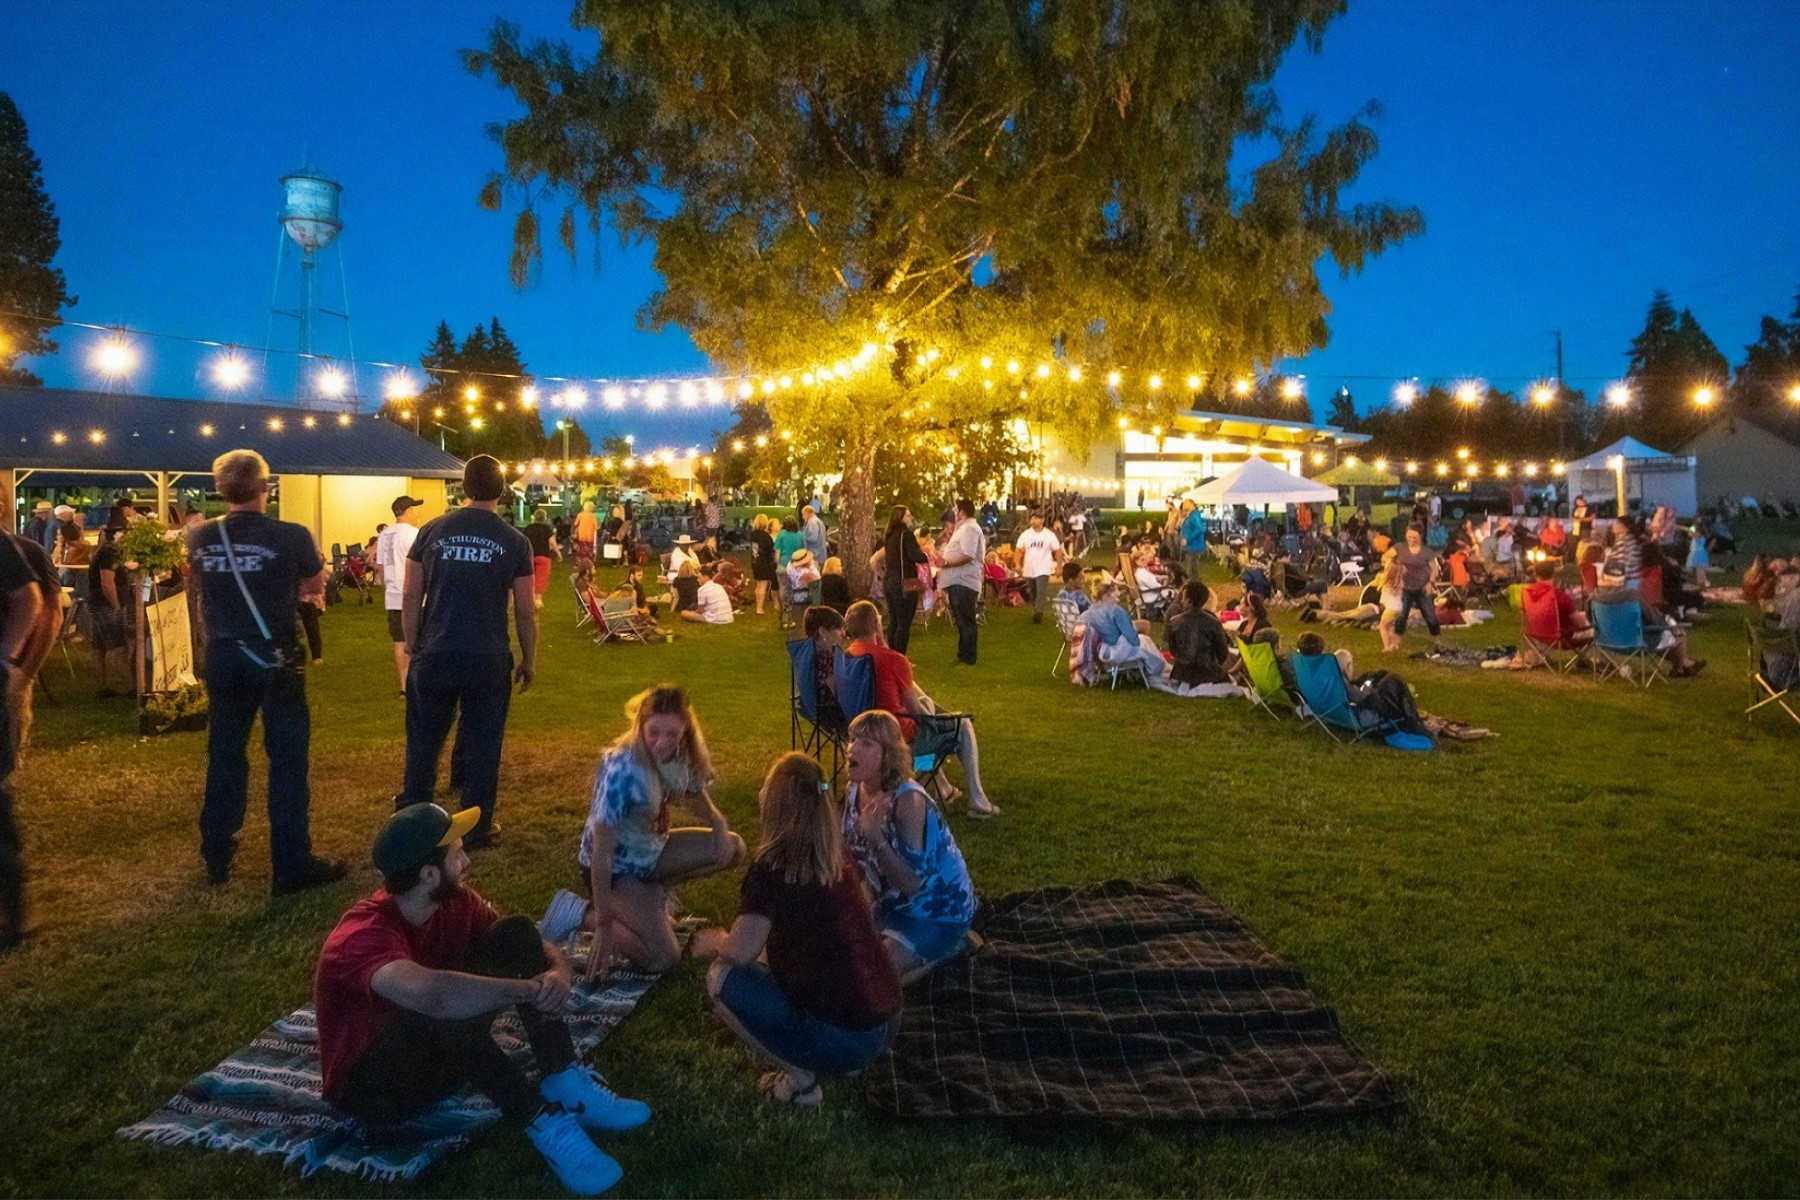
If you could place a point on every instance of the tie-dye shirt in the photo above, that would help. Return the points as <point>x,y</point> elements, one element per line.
<point>946,894</point>
<point>631,798</point>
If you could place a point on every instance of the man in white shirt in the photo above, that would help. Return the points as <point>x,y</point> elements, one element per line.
<point>712,603</point>
<point>391,549</point>
<point>960,577</point>
<point>1040,556</point>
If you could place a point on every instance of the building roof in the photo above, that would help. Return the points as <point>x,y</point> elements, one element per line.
<point>156,433</point>
<point>1269,430</point>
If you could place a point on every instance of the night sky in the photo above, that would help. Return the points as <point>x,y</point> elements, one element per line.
<point>1569,158</point>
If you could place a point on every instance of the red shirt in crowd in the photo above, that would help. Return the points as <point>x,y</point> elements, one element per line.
<point>893,680</point>
<point>823,948</point>
<point>371,935</point>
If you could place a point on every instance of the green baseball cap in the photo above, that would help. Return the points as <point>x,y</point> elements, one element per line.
<point>411,834</point>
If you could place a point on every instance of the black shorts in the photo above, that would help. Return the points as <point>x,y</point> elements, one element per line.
<point>396,629</point>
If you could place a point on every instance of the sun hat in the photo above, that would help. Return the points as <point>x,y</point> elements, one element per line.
<point>684,540</point>
<point>802,558</point>
<point>411,834</point>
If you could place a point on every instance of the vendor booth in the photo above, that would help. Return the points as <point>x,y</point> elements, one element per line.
<point>1636,474</point>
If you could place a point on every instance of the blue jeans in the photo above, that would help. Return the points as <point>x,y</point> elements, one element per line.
<point>798,1038</point>
<point>1420,598</point>
<point>237,690</point>
<point>474,693</point>
<point>962,611</point>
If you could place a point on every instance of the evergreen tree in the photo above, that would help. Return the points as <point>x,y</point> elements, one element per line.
<point>1767,385</point>
<point>1022,181</point>
<point>1670,359</point>
<point>1343,412</point>
<point>30,237</point>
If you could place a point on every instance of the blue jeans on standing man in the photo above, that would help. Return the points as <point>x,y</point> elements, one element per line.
<point>237,689</point>
<point>473,693</point>
<point>962,611</point>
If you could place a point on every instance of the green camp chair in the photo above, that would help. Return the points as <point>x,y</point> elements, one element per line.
<point>1266,686</point>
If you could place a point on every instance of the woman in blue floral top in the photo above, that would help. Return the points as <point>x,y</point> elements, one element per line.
<point>630,857</point>
<point>924,899</point>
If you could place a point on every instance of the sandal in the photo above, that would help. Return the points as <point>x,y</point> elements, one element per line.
<point>779,1087</point>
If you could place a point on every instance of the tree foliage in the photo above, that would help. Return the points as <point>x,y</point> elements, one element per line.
<point>1764,388</point>
<point>968,176</point>
<point>1670,359</point>
<point>481,379</point>
<point>30,237</point>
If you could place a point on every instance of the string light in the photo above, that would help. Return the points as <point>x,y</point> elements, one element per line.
<point>1292,388</point>
<point>1468,393</point>
<point>230,370</point>
<point>1405,393</point>
<point>115,357</point>
<point>1703,395</point>
<point>1543,394</point>
<point>399,386</point>
<point>331,382</point>
<point>1618,394</point>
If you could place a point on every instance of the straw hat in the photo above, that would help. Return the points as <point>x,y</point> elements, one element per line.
<point>802,558</point>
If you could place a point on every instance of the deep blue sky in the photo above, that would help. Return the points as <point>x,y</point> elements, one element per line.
<point>1569,158</point>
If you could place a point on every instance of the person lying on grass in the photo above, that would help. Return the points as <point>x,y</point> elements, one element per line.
<point>407,989</point>
<point>896,692</point>
<point>924,900</point>
<point>827,1002</point>
<point>630,859</point>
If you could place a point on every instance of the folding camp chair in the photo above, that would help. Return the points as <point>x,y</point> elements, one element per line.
<point>1267,688</point>
<point>1541,634</point>
<point>584,611</point>
<point>619,621</point>
<point>1068,614</point>
<point>1650,586</point>
<point>1326,701</point>
<point>810,730</point>
<point>1766,644</point>
<point>853,677</point>
<point>1117,669</point>
<point>1620,643</point>
<point>1350,572</point>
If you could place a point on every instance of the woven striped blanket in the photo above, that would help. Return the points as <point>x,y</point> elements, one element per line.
<point>265,1097</point>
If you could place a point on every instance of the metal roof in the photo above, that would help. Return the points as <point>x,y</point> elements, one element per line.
<point>157,433</point>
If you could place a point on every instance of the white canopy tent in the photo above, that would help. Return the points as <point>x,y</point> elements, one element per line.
<point>1260,482</point>
<point>1637,471</point>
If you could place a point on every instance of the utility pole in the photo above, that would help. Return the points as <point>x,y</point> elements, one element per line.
<point>1562,421</point>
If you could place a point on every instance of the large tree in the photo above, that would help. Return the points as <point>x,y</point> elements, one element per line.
<point>1767,385</point>
<point>1671,359</point>
<point>904,189</point>
<point>30,236</point>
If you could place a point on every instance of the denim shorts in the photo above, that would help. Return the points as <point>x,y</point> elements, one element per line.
<point>795,1037</point>
<point>931,941</point>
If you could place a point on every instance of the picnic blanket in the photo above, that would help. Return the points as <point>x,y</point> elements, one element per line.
<point>265,1097</point>
<point>1120,1000</point>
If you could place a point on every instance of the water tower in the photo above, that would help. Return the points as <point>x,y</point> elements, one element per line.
<point>310,220</point>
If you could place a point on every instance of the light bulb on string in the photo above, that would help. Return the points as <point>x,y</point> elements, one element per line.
<point>331,382</point>
<point>1405,393</point>
<point>1618,394</point>
<point>399,386</point>
<point>115,357</point>
<point>230,370</point>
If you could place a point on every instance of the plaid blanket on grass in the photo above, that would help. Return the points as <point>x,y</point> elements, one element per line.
<point>1120,1000</point>
<point>265,1097</point>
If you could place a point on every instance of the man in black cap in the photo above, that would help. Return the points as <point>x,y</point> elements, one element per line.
<point>461,571</point>
<point>253,572</point>
<point>407,989</point>
<point>391,549</point>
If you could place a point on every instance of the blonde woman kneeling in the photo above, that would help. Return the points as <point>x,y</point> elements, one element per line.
<point>630,859</point>
<point>828,1000</point>
<point>924,900</point>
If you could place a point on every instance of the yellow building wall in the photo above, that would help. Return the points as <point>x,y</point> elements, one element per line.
<point>346,508</point>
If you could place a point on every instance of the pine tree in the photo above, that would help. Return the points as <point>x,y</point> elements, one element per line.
<point>1767,385</point>
<point>1670,360</point>
<point>30,237</point>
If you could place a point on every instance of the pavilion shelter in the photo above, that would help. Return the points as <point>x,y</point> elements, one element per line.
<point>336,473</point>
<point>1643,473</point>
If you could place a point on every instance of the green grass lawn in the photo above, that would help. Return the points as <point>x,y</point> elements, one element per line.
<point>1574,946</point>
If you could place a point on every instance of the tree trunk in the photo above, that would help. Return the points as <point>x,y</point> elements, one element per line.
<point>856,528</point>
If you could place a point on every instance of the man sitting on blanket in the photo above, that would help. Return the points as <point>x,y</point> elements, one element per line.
<point>409,984</point>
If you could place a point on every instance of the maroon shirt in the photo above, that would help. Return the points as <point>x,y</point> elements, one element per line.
<point>367,938</point>
<point>823,948</point>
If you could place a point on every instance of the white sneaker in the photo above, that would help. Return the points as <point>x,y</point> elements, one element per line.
<point>580,1166</point>
<point>563,917</point>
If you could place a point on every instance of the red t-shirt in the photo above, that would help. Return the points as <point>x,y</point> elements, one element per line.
<point>823,948</point>
<point>367,938</point>
<point>893,680</point>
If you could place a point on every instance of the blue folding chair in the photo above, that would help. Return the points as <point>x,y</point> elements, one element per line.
<point>809,729</point>
<point>1320,681</point>
<point>1620,642</point>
